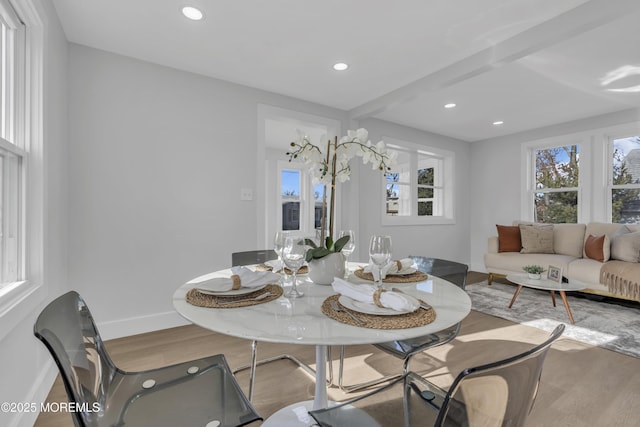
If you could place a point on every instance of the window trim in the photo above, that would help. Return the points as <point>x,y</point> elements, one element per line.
<point>528,174</point>
<point>306,197</point>
<point>29,131</point>
<point>608,138</point>
<point>448,188</point>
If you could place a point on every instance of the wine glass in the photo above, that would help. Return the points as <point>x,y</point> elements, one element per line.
<point>293,255</point>
<point>278,246</point>
<point>380,255</point>
<point>348,249</point>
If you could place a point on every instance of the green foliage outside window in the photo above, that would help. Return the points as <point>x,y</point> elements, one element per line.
<point>557,168</point>
<point>623,200</point>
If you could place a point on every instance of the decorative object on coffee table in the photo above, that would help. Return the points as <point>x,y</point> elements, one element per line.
<point>534,271</point>
<point>554,273</point>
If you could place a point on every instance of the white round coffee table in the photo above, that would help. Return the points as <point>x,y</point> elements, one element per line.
<point>523,280</point>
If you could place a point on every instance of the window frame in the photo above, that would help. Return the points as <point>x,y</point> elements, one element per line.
<point>415,150</point>
<point>608,139</point>
<point>528,177</point>
<point>28,136</point>
<point>306,197</point>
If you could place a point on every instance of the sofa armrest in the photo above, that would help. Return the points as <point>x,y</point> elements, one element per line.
<point>492,245</point>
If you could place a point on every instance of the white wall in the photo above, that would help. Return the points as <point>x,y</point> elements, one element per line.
<point>495,181</point>
<point>449,241</point>
<point>26,369</point>
<point>157,160</point>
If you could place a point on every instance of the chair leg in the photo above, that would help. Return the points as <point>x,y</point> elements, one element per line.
<point>360,386</point>
<point>254,350</point>
<point>253,364</point>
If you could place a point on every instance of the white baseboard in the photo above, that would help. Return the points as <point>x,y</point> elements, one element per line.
<point>38,394</point>
<point>140,325</point>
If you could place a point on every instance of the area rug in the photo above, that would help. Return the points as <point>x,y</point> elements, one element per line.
<point>603,324</point>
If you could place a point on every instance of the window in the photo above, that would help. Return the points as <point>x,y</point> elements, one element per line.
<point>624,180</point>
<point>556,189</point>
<point>12,155</point>
<point>419,188</point>
<point>21,153</point>
<point>301,200</point>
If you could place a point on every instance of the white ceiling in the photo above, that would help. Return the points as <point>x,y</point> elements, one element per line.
<point>530,63</point>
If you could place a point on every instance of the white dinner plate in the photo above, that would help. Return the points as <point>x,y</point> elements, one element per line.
<point>363,307</point>
<point>233,293</point>
<point>403,272</point>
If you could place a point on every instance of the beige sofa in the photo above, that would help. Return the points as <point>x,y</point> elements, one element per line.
<point>568,248</point>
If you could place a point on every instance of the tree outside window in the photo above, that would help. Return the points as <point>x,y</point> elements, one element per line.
<point>625,180</point>
<point>557,184</point>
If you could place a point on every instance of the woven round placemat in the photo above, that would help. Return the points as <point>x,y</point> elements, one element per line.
<point>419,317</point>
<point>211,301</point>
<point>418,276</point>
<point>264,267</point>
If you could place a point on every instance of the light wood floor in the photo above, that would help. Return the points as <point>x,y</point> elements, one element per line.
<point>581,385</point>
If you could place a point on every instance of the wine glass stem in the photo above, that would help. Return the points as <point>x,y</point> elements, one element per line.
<point>294,289</point>
<point>346,266</point>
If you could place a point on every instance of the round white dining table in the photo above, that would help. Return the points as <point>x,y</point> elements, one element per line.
<point>301,321</point>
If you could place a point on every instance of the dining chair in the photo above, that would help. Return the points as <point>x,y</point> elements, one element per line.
<point>451,271</point>
<point>258,257</point>
<point>197,393</point>
<point>252,257</point>
<point>500,393</point>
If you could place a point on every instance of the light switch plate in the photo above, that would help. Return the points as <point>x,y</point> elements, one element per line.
<point>246,194</point>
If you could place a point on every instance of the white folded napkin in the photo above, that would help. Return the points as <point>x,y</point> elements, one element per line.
<point>402,266</point>
<point>366,293</point>
<point>241,277</point>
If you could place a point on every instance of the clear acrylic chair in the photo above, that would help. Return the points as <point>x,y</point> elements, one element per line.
<point>257,257</point>
<point>197,393</point>
<point>455,273</point>
<point>501,393</point>
<point>253,257</point>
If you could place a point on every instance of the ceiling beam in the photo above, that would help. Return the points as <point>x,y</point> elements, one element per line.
<point>576,21</point>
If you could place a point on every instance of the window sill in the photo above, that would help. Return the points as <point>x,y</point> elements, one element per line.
<point>18,301</point>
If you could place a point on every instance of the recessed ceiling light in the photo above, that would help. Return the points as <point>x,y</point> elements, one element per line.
<point>192,13</point>
<point>498,123</point>
<point>450,105</point>
<point>340,66</point>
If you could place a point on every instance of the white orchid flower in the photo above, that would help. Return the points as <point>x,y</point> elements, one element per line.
<point>362,135</point>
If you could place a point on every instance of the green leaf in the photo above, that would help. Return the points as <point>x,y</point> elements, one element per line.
<point>340,243</point>
<point>329,243</point>
<point>318,253</point>
<point>309,255</point>
<point>311,243</point>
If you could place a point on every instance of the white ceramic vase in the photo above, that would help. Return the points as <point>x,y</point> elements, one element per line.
<point>323,270</point>
<point>534,276</point>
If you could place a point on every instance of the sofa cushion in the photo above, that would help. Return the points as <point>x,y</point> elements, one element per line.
<point>587,272</point>
<point>508,238</point>
<point>536,239</point>
<point>626,247</point>
<point>568,239</point>
<point>597,247</point>
<point>512,262</point>
<point>600,228</point>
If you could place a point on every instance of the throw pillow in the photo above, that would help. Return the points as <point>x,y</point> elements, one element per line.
<point>508,238</point>
<point>626,247</point>
<point>536,239</point>
<point>597,247</point>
